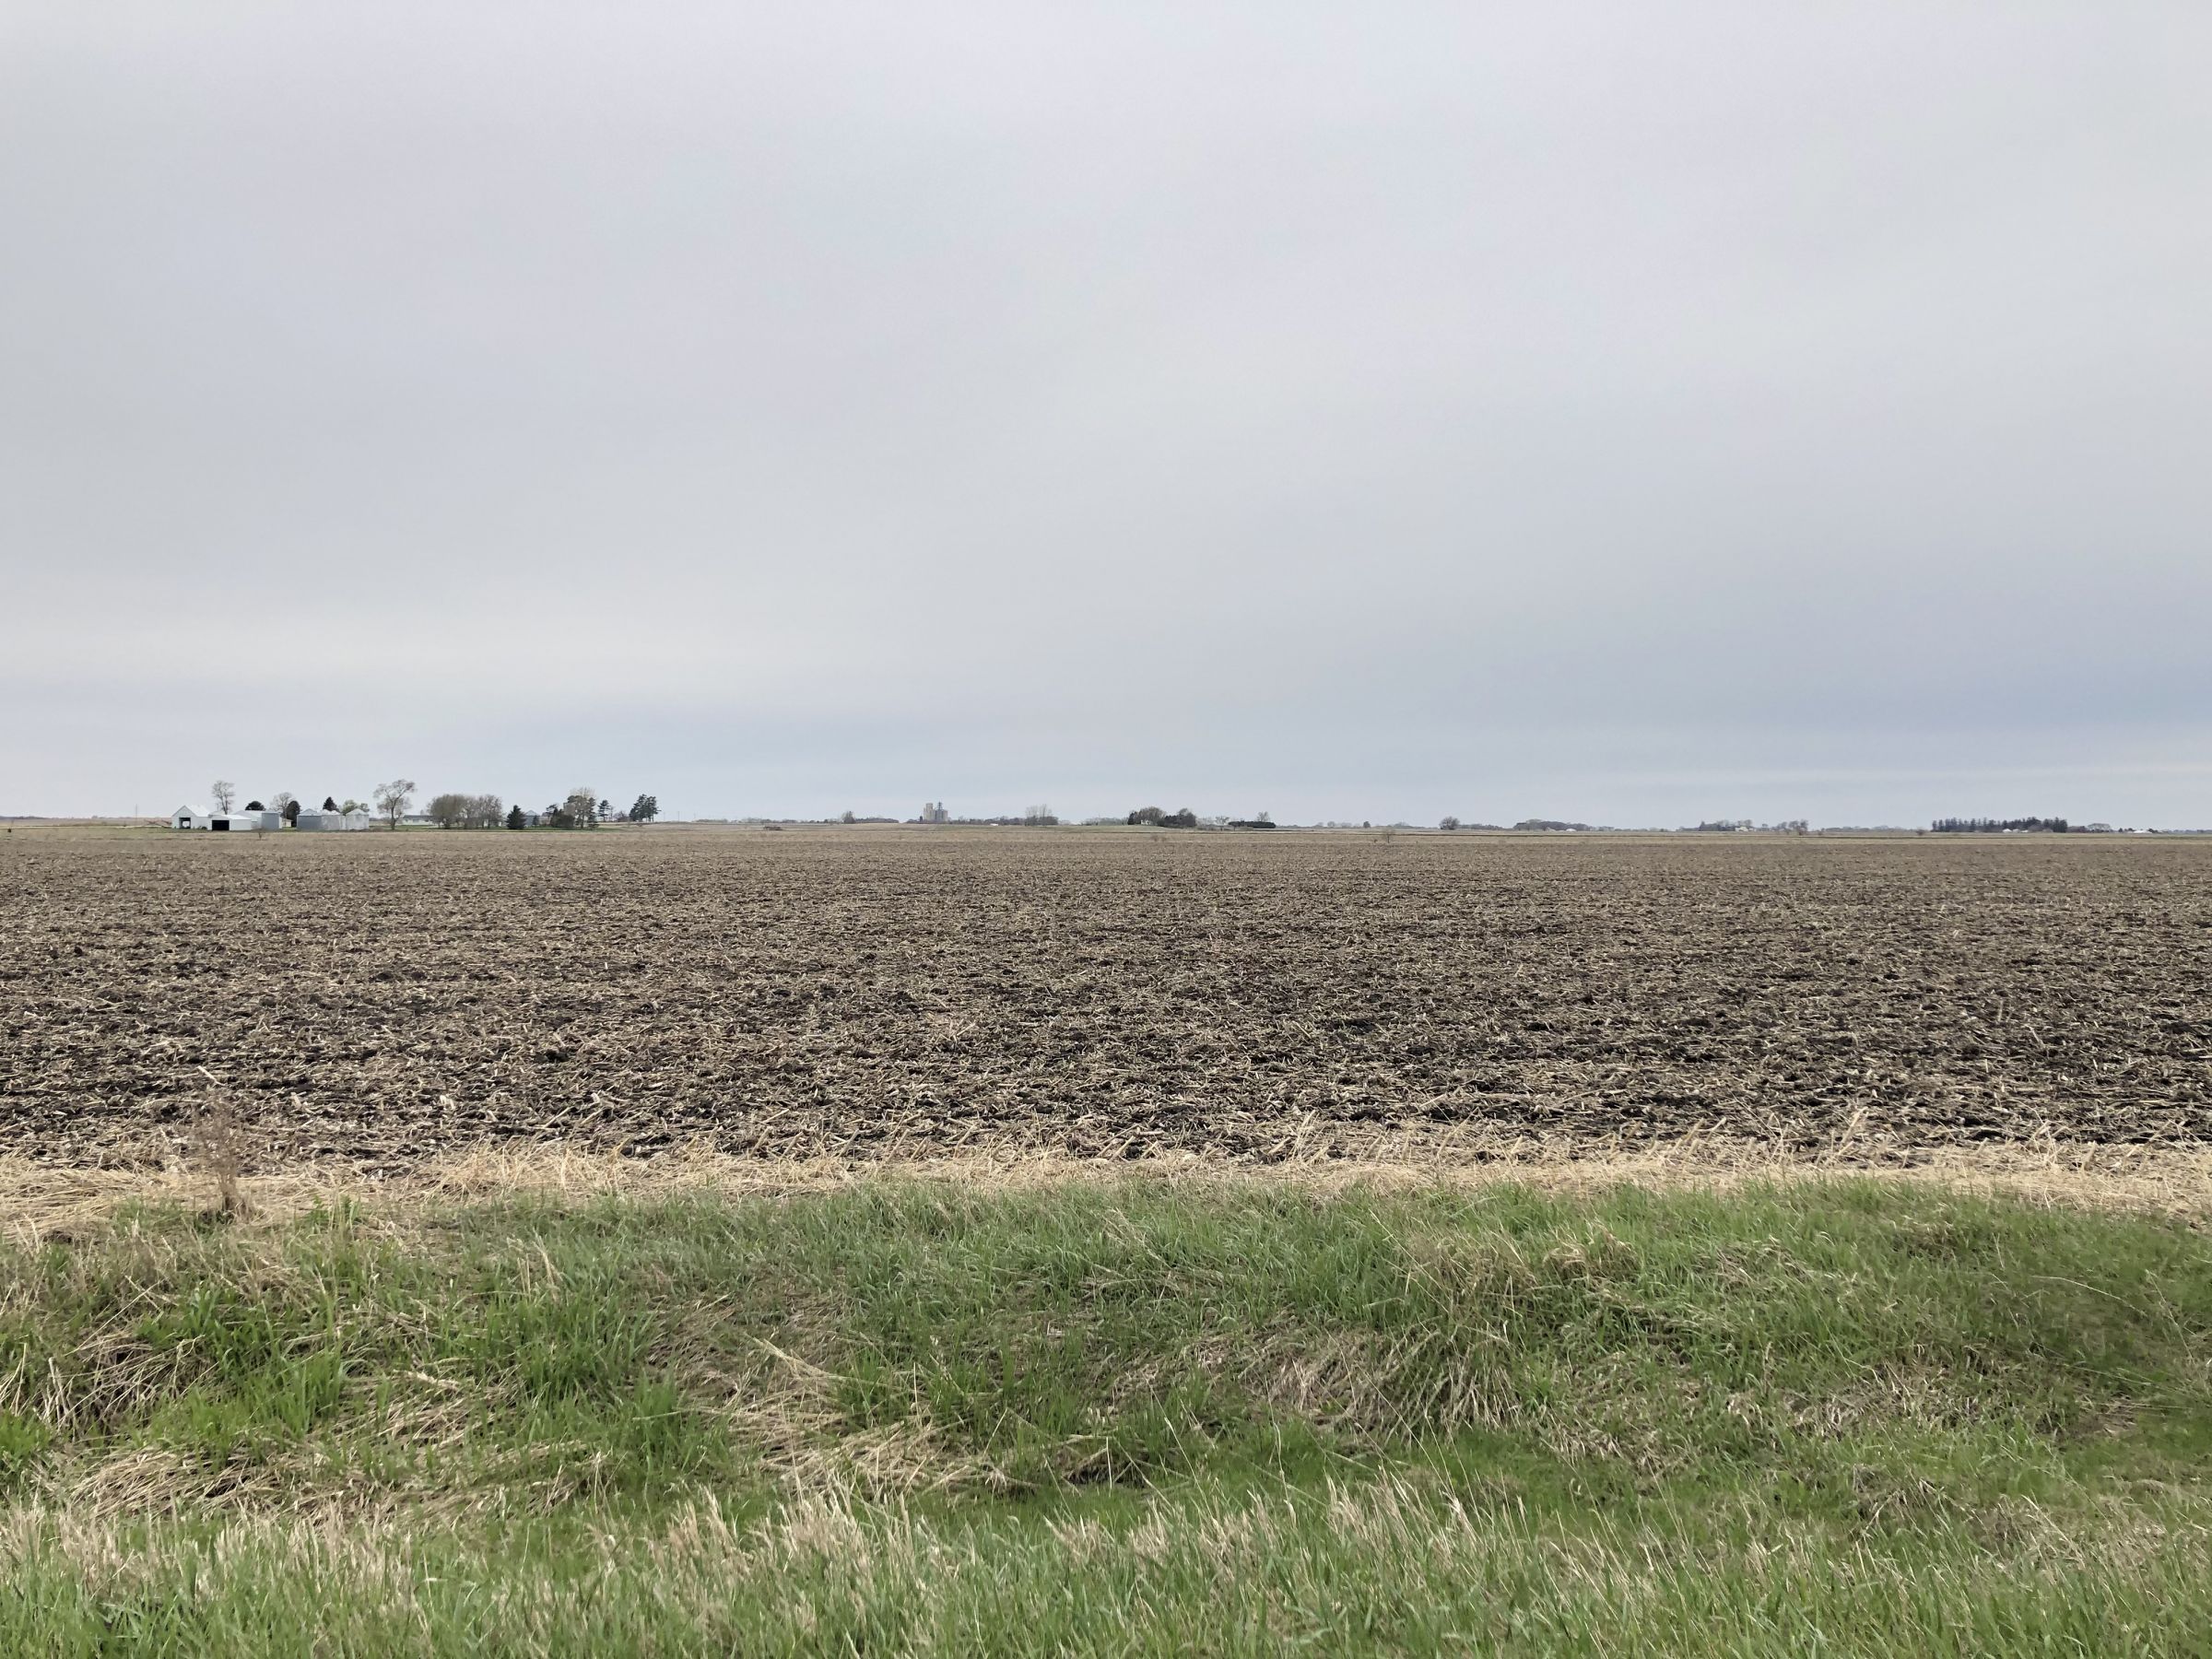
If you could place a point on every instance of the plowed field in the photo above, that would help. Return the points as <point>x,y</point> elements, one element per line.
<point>375,998</point>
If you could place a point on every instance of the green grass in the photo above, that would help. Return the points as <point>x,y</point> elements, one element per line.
<point>1115,1417</point>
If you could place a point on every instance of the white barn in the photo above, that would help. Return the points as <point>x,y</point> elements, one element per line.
<point>184,817</point>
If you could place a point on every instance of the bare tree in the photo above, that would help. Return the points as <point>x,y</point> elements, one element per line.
<point>392,800</point>
<point>222,792</point>
<point>582,806</point>
<point>1448,822</point>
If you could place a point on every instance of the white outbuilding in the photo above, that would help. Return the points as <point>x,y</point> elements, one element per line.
<point>184,817</point>
<point>238,822</point>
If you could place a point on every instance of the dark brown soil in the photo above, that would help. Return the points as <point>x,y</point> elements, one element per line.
<point>376,997</point>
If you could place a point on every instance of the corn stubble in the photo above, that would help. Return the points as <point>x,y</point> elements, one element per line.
<point>899,995</point>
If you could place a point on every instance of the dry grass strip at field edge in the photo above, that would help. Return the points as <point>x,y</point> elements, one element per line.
<point>42,1200</point>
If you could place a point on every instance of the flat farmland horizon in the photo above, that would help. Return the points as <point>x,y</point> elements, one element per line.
<point>376,999</point>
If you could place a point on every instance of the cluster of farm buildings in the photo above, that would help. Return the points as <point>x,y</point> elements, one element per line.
<point>185,817</point>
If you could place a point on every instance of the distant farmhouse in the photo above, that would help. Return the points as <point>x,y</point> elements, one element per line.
<point>187,817</point>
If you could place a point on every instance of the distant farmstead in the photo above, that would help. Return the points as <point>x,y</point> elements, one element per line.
<point>187,817</point>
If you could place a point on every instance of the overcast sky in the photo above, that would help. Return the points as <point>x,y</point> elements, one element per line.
<point>1630,413</point>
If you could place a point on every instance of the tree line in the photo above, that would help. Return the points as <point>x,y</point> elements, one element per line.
<point>1982,826</point>
<point>582,808</point>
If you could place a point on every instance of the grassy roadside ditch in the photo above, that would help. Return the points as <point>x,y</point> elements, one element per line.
<point>1113,1414</point>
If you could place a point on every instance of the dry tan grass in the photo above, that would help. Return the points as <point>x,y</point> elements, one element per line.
<point>40,1201</point>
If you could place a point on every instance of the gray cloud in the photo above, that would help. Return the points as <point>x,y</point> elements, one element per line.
<point>1626,414</point>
